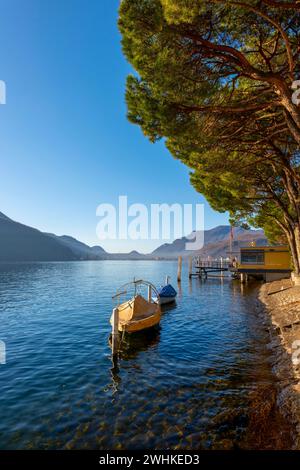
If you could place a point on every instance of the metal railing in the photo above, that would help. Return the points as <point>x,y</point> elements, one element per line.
<point>212,263</point>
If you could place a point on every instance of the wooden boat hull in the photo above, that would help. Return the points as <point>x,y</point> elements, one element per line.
<point>164,300</point>
<point>139,325</point>
<point>138,314</point>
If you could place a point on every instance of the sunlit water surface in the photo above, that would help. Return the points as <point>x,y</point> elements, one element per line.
<point>187,385</point>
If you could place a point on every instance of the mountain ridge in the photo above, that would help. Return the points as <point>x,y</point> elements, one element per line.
<point>216,242</point>
<point>19,242</point>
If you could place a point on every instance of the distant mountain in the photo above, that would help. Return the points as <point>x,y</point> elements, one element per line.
<point>133,255</point>
<point>79,249</point>
<point>2,216</point>
<point>216,243</point>
<point>98,250</point>
<point>221,247</point>
<point>19,242</point>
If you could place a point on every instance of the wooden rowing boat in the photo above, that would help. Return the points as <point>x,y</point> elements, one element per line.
<point>137,313</point>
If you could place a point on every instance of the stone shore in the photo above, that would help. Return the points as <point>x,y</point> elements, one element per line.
<point>281,300</point>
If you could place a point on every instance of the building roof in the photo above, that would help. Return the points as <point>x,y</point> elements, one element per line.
<point>266,248</point>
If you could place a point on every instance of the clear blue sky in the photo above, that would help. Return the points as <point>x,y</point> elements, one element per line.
<point>65,143</point>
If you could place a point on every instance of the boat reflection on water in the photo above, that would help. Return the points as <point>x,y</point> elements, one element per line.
<point>131,345</point>
<point>168,307</point>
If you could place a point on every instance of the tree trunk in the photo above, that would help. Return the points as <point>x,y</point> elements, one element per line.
<point>290,234</point>
<point>292,217</point>
<point>297,244</point>
<point>294,253</point>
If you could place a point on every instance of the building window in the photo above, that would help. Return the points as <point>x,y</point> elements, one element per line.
<point>252,257</point>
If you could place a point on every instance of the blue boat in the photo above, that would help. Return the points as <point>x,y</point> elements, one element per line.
<point>166,294</point>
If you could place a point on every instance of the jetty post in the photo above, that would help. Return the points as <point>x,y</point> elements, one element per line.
<point>149,293</point>
<point>190,266</point>
<point>179,268</point>
<point>115,331</point>
<point>244,277</point>
<point>221,265</point>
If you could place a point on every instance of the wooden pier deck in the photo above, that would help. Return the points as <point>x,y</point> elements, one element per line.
<point>202,268</point>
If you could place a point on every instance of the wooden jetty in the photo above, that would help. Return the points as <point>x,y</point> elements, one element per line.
<point>201,268</point>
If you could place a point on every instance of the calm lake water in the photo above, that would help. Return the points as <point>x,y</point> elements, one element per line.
<point>196,383</point>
